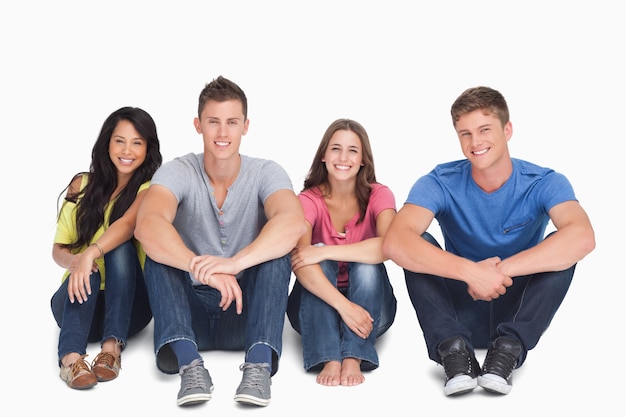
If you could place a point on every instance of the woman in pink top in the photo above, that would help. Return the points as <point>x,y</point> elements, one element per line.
<point>342,300</point>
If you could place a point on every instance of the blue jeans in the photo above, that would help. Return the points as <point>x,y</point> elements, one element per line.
<point>325,337</point>
<point>183,311</point>
<point>444,309</point>
<point>119,311</point>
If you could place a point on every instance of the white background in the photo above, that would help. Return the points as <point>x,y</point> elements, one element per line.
<point>394,66</point>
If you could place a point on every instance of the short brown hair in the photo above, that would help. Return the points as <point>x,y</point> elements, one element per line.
<point>222,89</point>
<point>480,98</point>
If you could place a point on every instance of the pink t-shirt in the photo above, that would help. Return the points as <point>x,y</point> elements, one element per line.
<point>316,213</point>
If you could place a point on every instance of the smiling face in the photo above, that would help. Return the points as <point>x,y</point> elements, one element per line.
<point>127,149</point>
<point>343,156</point>
<point>222,124</point>
<point>483,139</point>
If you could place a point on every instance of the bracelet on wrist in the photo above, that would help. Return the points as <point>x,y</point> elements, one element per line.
<point>99,248</point>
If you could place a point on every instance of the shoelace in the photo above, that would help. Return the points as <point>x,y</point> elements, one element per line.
<point>457,363</point>
<point>253,375</point>
<point>500,362</point>
<point>104,359</point>
<point>80,366</point>
<point>192,376</point>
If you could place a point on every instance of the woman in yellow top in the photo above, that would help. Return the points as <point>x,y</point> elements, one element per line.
<point>95,229</point>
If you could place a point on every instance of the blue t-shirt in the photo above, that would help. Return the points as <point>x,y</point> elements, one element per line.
<point>478,225</point>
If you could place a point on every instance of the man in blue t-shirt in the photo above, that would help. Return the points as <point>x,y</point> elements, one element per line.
<point>499,281</point>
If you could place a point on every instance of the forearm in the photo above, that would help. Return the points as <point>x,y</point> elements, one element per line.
<point>61,256</point>
<point>369,251</point>
<point>557,252</point>
<point>116,234</point>
<point>163,244</point>
<point>277,238</point>
<point>312,278</point>
<point>422,257</point>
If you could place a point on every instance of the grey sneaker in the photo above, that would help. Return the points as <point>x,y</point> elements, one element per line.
<point>255,384</point>
<point>195,384</point>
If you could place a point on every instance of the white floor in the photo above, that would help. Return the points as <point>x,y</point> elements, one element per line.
<point>560,376</point>
<point>396,67</point>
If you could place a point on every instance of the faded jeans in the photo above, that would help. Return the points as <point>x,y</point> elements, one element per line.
<point>119,311</point>
<point>325,337</point>
<point>183,311</point>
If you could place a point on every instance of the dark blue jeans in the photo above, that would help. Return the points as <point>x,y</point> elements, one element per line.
<point>121,310</point>
<point>325,337</point>
<point>444,309</point>
<point>183,311</point>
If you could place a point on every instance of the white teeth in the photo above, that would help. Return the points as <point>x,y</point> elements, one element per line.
<point>480,152</point>
<point>126,161</point>
<point>221,143</point>
<point>343,167</point>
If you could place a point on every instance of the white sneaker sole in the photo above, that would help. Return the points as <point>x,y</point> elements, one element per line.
<point>494,383</point>
<point>460,385</point>
<point>250,399</point>
<point>194,399</point>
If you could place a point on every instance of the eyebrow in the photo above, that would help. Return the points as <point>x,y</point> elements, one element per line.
<point>124,137</point>
<point>479,127</point>
<point>227,119</point>
<point>339,144</point>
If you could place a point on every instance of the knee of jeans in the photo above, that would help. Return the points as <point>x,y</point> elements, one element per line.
<point>125,249</point>
<point>331,270</point>
<point>387,316</point>
<point>123,257</point>
<point>279,266</point>
<point>366,275</point>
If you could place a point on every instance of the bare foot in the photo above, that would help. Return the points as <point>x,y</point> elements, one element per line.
<point>329,376</point>
<point>351,372</point>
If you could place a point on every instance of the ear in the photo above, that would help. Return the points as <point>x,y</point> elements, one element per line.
<point>246,125</point>
<point>508,130</point>
<point>196,123</point>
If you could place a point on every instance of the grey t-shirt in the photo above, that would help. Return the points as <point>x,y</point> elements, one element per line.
<point>204,227</point>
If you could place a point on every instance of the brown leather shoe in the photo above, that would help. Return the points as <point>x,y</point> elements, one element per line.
<point>106,366</point>
<point>78,375</point>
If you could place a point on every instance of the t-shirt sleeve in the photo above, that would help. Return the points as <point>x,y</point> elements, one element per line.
<point>555,189</point>
<point>273,178</point>
<point>309,206</point>
<point>175,176</point>
<point>143,187</point>
<point>382,198</point>
<point>427,192</point>
<point>66,229</point>
<point>66,223</point>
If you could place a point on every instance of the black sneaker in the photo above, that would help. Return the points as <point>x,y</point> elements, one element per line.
<point>501,359</point>
<point>460,366</point>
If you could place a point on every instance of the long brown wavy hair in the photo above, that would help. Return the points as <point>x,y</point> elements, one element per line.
<point>318,174</point>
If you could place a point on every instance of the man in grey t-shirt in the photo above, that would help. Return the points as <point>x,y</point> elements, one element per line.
<point>218,228</point>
